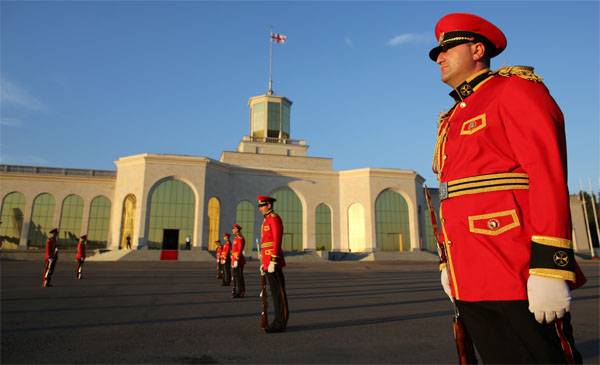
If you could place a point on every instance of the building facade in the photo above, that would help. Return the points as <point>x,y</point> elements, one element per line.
<point>156,201</point>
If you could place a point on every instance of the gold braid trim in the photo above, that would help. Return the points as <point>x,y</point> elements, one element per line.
<point>524,72</point>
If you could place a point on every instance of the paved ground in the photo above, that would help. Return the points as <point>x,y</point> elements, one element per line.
<point>175,312</point>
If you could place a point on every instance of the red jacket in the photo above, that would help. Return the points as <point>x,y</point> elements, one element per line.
<point>271,237</point>
<point>51,249</point>
<point>80,250</point>
<point>237,252</point>
<point>502,152</point>
<point>225,251</point>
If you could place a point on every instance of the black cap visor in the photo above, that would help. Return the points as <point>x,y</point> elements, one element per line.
<point>435,52</point>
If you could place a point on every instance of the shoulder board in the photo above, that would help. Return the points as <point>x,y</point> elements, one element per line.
<point>273,214</point>
<point>524,72</point>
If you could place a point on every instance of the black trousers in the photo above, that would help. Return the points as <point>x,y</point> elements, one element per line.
<point>239,284</point>
<point>227,272</point>
<point>280,303</point>
<point>506,332</point>
<point>79,271</point>
<point>48,271</point>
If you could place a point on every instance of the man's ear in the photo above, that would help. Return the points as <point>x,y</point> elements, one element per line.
<point>478,51</point>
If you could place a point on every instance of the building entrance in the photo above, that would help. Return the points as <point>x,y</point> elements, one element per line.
<point>170,239</point>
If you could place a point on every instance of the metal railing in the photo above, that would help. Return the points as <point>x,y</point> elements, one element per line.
<point>298,142</point>
<point>56,171</point>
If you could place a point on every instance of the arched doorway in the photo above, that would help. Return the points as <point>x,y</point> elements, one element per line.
<point>12,220</point>
<point>42,215</point>
<point>391,221</point>
<point>127,220</point>
<point>323,227</point>
<point>356,228</point>
<point>171,212</point>
<point>214,222</point>
<point>289,208</point>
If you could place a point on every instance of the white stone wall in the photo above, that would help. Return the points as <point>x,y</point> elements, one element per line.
<point>60,186</point>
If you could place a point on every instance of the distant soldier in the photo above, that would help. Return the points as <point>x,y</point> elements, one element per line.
<point>226,260</point>
<point>80,255</point>
<point>218,256</point>
<point>272,262</point>
<point>50,258</point>
<point>237,262</point>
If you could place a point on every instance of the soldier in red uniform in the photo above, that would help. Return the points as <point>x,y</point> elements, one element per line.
<point>500,157</point>
<point>272,262</point>
<point>218,256</point>
<point>80,257</point>
<point>51,258</point>
<point>237,262</point>
<point>226,260</point>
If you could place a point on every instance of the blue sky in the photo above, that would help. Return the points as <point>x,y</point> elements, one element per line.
<point>84,83</point>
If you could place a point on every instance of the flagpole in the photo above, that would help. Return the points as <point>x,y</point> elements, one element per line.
<point>595,214</point>
<point>585,217</point>
<point>270,61</point>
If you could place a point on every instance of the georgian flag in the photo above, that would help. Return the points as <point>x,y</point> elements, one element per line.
<point>278,38</point>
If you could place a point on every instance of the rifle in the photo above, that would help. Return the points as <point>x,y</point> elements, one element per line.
<point>264,300</point>
<point>464,343</point>
<point>49,269</point>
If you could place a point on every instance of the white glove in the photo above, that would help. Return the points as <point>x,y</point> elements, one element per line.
<point>222,262</point>
<point>446,284</point>
<point>271,266</point>
<point>262,271</point>
<point>549,298</point>
<point>235,265</point>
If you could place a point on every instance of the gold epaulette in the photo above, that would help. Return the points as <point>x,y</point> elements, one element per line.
<point>524,72</point>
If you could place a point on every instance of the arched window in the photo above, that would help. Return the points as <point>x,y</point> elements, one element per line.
<point>98,222</point>
<point>392,227</point>
<point>214,220</point>
<point>356,228</point>
<point>127,220</point>
<point>12,219</point>
<point>70,221</point>
<point>244,216</point>
<point>172,204</point>
<point>323,227</point>
<point>289,208</point>
<point>42,216</point>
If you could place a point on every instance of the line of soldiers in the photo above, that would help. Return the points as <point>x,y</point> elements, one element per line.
<point>51,257</point>
<point>272,261</point>
<point>230,257</point>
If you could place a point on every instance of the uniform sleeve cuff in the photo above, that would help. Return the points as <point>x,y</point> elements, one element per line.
<point>443,266</point>
<point>552,257</point>
<point>556,274</point>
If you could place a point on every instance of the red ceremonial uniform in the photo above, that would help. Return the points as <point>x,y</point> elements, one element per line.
<point>271,236</point>
<point>237,251</point>
<point>501,160</point>
<point>225,251</point>
<point>218,253</point>
<point>50,249</point>
<point>80,250</point>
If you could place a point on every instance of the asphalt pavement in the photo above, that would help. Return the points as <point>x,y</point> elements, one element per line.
<point>177,313</point>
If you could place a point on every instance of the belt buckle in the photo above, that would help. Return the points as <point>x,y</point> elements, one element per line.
<point>443,191</point>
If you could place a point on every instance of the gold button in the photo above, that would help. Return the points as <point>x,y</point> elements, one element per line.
<point>445,157</point>
<point>493,224</point>
<point>463,104</point>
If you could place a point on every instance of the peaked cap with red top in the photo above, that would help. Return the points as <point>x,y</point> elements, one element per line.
<point>263,200</point>
<point>458,28</point>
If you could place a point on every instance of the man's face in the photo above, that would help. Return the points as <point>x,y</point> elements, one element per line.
<point>264,208</point>
<point>235,230</point>
<point>456,64</point>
